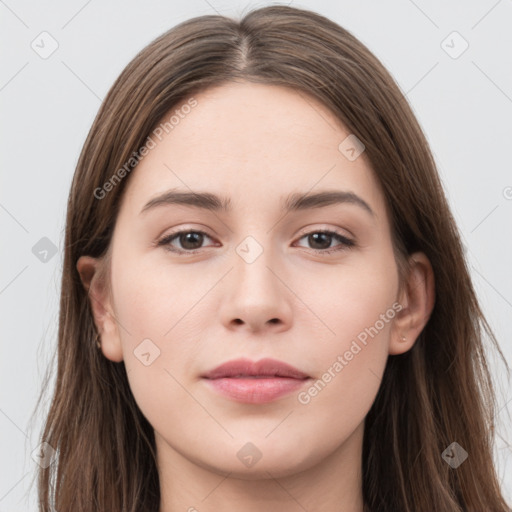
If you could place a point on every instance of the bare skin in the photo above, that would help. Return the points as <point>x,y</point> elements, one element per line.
<point>256,144</point>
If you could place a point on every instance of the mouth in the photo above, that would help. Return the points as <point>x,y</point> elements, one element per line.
<point>258,382</point>
<point>260,369</point>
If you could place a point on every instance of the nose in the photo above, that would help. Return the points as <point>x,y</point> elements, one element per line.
<point>255,296</point>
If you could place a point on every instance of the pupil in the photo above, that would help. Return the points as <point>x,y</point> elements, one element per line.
<point>188,238</point>
<point>316,236</point>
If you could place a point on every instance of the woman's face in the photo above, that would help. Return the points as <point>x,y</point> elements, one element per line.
<point>261,282</point>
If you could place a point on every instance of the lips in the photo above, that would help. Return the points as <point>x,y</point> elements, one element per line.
<point>254,383</point>
<point>240,368</point>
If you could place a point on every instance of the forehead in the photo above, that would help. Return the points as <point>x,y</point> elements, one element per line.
<point>251,142</point>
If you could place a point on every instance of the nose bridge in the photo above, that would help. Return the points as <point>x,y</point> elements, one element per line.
<point>254,259</point>
<point>256,241</point>
<point>256,294</point>
<point>255,248</point>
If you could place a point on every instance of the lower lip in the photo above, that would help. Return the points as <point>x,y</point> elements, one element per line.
<point>256,390</point>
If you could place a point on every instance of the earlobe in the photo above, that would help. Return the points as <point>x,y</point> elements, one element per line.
<point>89,269</point>
<point>417,302</point>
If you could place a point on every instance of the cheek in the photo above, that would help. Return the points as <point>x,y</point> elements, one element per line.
<point>358,306</point>
<point>155,307</point>
<point>348,299</point>
<point>151,299</point>
<point>158,308</point>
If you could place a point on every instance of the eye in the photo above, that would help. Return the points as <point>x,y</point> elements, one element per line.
<point>322,239</point>
<point>192,240</point>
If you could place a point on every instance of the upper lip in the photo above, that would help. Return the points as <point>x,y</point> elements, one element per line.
<point>246,368</point>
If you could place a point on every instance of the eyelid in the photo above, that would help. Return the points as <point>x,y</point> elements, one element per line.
<point>166,239</point>
<point>325,228</point>
<point>347,242</point>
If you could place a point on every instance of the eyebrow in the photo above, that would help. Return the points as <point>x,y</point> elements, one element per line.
<point>294,202</point>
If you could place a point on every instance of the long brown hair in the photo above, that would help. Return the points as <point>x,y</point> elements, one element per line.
<point>437,393</point>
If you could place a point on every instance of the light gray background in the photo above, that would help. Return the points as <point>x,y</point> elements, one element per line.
<point>464,105</point>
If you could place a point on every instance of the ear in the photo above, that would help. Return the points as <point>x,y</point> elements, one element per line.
<point>100,300</point>
<point>417,300</point>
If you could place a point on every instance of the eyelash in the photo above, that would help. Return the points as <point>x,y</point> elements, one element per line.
<point>346,243</point>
